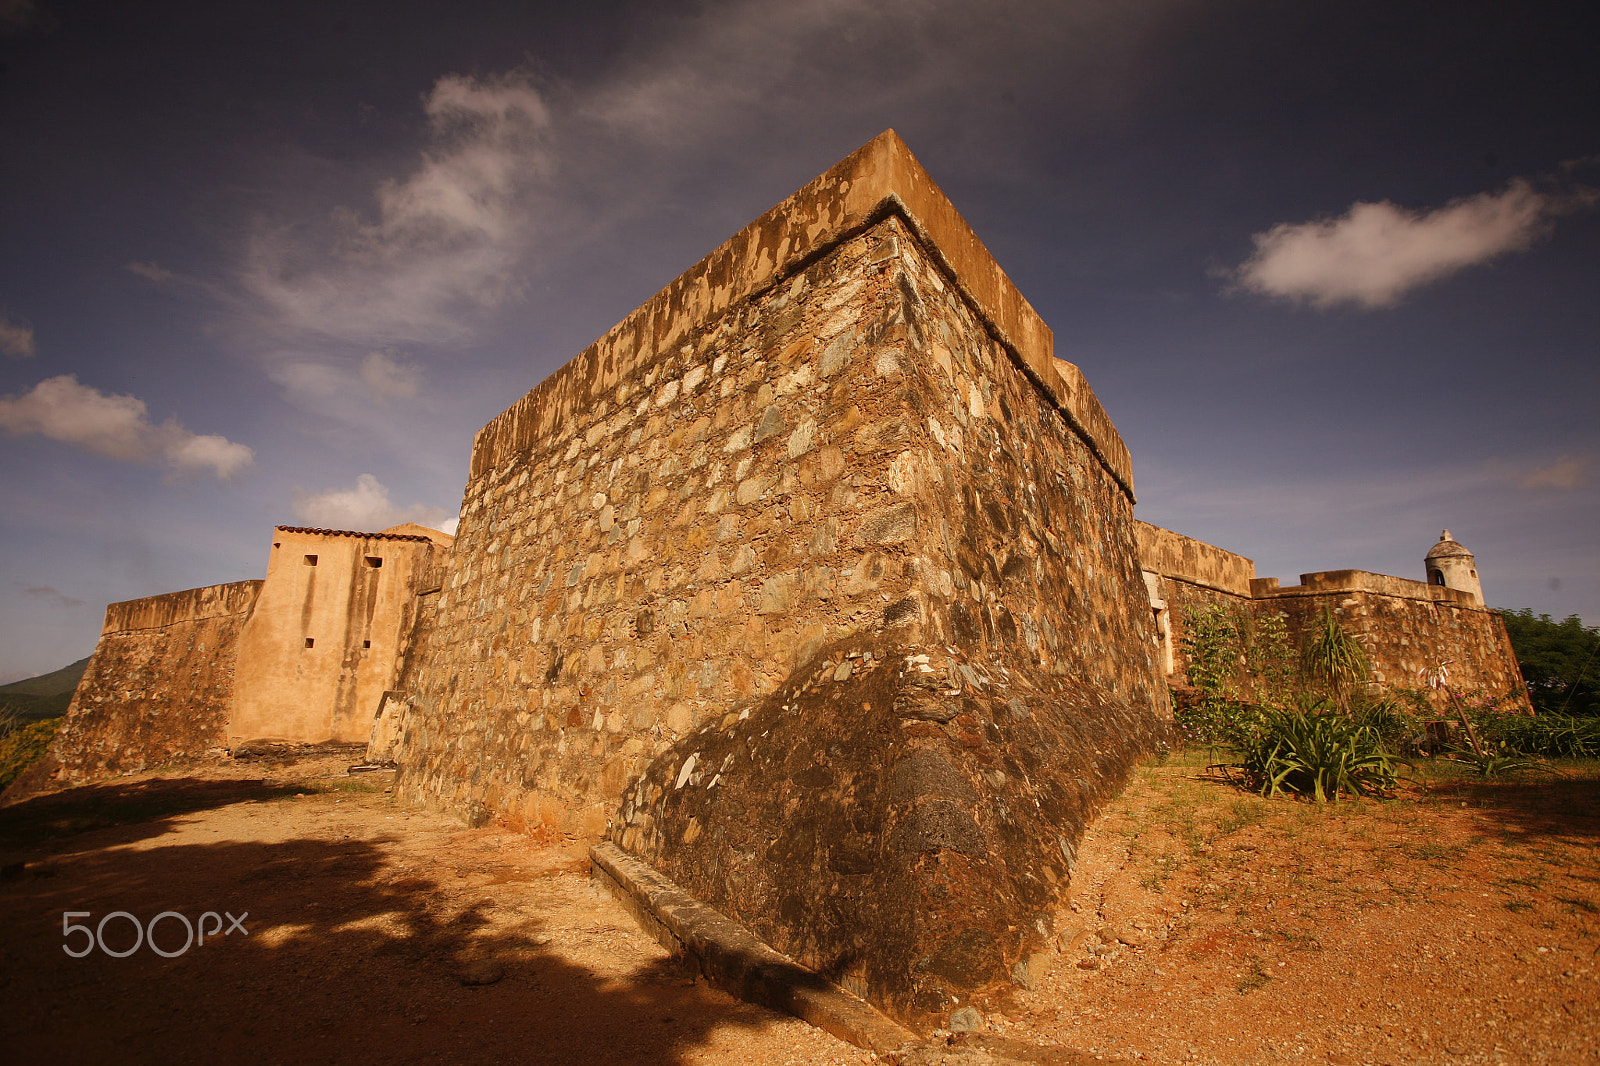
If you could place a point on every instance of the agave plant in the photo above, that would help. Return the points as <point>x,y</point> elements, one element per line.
<point>1335,659</point>
<point>1318,753</point>
<point>1499,761</point>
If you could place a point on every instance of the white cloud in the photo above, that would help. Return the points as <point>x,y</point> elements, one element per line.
<point>388,377</point>
<point>355,394</point>
<point>150,271</point>
<point>1375,253</point>
<point>366,507</point>
<point>1567,472</point>
<point>438,245</point>
<point>53,596</point>
<point>116,427</point>
<point>314,386</point>
<point>16,338</point>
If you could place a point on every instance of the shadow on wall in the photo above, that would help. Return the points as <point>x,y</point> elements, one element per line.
<point>347,960</point>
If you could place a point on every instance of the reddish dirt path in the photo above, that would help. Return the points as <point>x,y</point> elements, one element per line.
<point>1414,931</point>
<point>1453,925</point>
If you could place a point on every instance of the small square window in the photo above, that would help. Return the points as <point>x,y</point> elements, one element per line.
<point>374,561</point>
<point>311,560</point>
<point>366,643</point>
<point>310,642</point>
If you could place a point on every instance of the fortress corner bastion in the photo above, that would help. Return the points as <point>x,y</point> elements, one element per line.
<point>813,584</point>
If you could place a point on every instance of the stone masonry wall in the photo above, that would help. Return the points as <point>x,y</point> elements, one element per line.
<point>814,583</point>
<point>902,813</point>
<point>691,508</point>
<point>1407,627</point>
<point>686,545</point>
<point>159,684</point>
<point>1185,597</point>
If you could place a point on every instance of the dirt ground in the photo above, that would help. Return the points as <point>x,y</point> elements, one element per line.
<point>1459,923</point>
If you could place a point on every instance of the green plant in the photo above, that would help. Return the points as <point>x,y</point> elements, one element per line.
<point>1258,977</point>
<point>1271,663</point>
<point>1389,716</point>
<point>1334,660</point>
<point>1560,661</point>
<point>1211,652</point>
<point>1555,736</point>
<point>1498,761</point>
<point>1318,753</point>
<point>1235,661</point>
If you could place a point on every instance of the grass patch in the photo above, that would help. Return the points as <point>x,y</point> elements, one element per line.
<point>1161,871</point>
<point>1437,854</point>
<point>1258,977</point>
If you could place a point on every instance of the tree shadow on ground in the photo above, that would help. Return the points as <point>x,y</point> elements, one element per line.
<point>144,807</point>
<point>1544,806</point>
<point>345,960</point>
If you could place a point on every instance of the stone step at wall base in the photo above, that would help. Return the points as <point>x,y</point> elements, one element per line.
<point>734,959</point>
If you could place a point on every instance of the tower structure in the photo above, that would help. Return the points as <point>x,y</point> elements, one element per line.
<point>1450,564</point>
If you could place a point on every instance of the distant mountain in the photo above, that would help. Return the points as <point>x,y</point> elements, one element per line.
<point>45,696</point>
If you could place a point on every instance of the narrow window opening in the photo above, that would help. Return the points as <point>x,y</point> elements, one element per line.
<point>311,560</point>
<point>309,642</point>
<point>374,561</point>
<point>1436,576</point>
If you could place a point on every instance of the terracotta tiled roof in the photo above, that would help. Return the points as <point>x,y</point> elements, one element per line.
<point>353,533</point>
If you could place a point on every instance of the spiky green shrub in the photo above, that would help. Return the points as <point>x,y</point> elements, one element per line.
<point>1498,760</point>
<point>1317,752</point>
<point>1335,661</point>
<point>1395,722</point>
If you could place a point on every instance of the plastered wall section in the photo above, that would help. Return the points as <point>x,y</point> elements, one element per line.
<point>779,479</point>
<point>330,629</point>
<point>159,683</point>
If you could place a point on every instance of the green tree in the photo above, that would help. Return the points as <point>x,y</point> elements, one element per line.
<point>23,747</point>
<point>1559,661</point>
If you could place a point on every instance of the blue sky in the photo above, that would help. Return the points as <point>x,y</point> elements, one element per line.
<point>1331,267</point>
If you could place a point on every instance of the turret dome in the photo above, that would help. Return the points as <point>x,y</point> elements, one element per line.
<point>1448,547</point>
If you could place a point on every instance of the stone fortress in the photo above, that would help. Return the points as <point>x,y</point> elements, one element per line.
<point>301,657</point>
<point>813,586</point>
